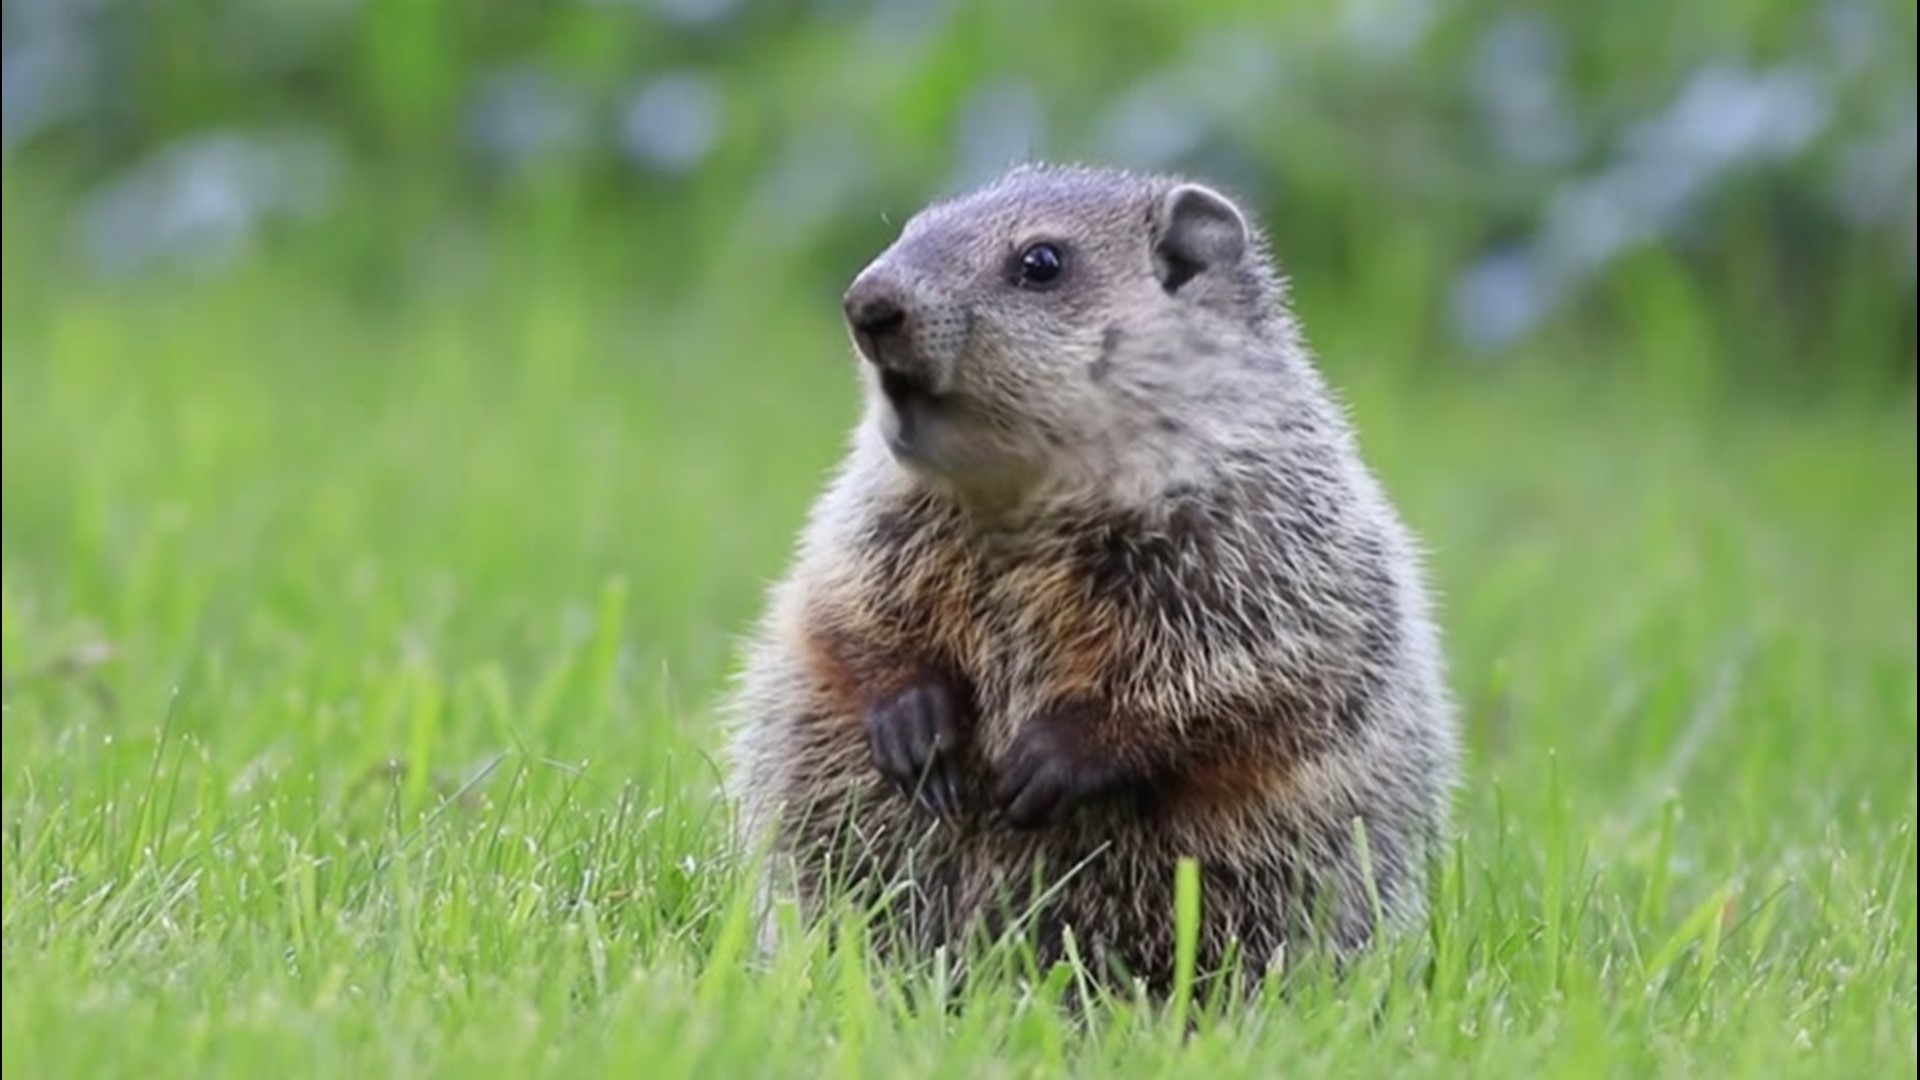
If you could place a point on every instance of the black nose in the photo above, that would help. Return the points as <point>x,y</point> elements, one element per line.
<point>875,316</point>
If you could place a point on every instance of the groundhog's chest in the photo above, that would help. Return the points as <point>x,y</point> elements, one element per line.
<point>1023,628</point>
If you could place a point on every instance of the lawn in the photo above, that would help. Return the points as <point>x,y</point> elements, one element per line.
<point>361,650</point>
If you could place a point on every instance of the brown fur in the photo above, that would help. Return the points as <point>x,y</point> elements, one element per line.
<point>1129,536</point>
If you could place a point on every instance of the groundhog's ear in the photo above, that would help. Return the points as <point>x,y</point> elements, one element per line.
<point>1195,230</point>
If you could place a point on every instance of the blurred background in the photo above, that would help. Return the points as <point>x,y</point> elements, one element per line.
<point>1488,172</point>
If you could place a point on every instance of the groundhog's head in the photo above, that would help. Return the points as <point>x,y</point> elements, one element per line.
<point>1062,323</point>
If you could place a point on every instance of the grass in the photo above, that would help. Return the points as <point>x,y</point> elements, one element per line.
<point>360,655</point>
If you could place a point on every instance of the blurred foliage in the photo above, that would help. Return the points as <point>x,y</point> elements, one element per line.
<point>1490,173</point>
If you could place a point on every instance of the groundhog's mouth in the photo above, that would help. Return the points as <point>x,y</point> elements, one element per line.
<point>903,389</point>
<point>912,413</point>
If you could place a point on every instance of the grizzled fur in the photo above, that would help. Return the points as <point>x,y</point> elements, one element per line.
<point>1102,583</point>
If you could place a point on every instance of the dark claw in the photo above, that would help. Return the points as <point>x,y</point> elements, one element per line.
<point>914,738</point>
<point>949,788</point>
<point>1050,772</point>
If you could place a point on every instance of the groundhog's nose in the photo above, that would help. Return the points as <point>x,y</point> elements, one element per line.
<point>902,326</point>
<point>875,314</point>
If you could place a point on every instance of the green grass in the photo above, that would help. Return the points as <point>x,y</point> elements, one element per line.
<point>360,658</point>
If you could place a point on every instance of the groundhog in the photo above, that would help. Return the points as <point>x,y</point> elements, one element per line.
<point>1101,583</point>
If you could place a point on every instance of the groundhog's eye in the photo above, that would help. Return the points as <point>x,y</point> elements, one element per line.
<point>1041,265</point>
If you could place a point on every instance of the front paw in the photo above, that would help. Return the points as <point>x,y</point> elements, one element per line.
<point>1052,769</point>
<point>914,738</point>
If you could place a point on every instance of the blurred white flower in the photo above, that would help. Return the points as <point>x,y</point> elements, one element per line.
<point>673,122</point>
<point>1498,299</point>
<point>199,202</point>
<point>522,116</point>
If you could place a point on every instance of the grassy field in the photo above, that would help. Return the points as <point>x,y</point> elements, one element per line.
<point>360,654</point>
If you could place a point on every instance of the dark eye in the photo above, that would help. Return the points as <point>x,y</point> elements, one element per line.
<point>1041,265</point>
